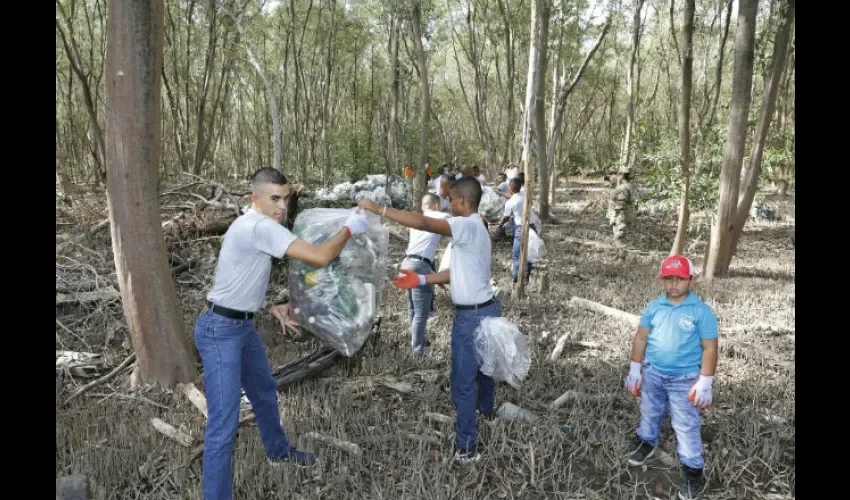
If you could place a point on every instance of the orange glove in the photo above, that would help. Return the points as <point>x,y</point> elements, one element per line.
<point>407,279</point>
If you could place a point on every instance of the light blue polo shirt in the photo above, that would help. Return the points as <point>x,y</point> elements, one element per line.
<point>673,347</point>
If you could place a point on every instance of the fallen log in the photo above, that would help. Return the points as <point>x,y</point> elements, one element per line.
<point>608,311</point>
<point>634,319</point>
<point>171,432</point>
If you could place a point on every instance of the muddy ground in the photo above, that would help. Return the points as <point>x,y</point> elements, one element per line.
<point>749,432</point>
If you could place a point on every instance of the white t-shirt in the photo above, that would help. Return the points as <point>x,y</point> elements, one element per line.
<point>423,243</point>
<point>470,261</point>
<point>245,262</point>
<point>514,207</point>
<point>481,179</point>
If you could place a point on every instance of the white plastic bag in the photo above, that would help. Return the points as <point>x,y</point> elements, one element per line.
<point>536,247</point>
<point>502,351</point>
<point>338,303</point>
<point>492,205</point>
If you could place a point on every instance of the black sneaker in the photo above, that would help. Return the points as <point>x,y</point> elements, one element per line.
<point>467,456</point>
<point>692,483</point>
<point>643,451</point>
<point>293,456</point>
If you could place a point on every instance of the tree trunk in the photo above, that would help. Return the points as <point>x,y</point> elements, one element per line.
<point>134,154</point>
<point>685,126</point>
<point>392,127</point>
<point>511,70</point>
<point>558,108</point>
<point>420,181</point>
<point>536,117</point>
<point>733,152</point>
<point>626,160</point>
<point>768,105</point>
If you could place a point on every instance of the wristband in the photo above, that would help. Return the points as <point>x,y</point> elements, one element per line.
<point>422,280</point>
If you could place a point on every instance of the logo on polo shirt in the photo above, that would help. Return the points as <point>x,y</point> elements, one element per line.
<point>686,322</point>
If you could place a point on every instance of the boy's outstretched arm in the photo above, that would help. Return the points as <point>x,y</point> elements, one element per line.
<point>409,219</point>
<point>408,279</point>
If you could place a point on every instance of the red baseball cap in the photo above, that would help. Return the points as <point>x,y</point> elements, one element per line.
<point>676,265</point>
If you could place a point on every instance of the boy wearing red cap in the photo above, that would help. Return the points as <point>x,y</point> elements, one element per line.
<point>676,345</point>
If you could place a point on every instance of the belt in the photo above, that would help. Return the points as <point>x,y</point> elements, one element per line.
<point>229,313</point>
<point>423,259</point>
<point>477,306</point>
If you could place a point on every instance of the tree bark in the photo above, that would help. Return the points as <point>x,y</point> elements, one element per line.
<point>535,112</point>
<point>134,154</point>
<point>768,106</point>
<point>685,126</point>
<point>420,181</point>
<point>626,158</point>
<point>733,152</point>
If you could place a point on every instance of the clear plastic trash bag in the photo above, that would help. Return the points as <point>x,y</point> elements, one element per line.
<point>338,303</point>
<point>502,351</point>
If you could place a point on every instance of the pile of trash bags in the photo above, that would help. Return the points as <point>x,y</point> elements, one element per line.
<point>374,187</point>
<point>492,205</point>
<point>338,303</point>
<point>502,351</point>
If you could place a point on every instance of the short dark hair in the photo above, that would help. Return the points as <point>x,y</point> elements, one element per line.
<point>431,199</point>
<point>267,175</point>
<point>516,184</point>
<point>448,179</point>
<point>469,189</point>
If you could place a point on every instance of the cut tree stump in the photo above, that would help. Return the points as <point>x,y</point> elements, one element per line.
<point>75,487</point>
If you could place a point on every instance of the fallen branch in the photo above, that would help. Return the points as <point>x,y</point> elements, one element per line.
<point>608,311</point>
<point>439,417</point>
<point>571,396</point>
<point>634,319</point>
<point>171,432</point>
<point>345,446</point>
<point>68,241</point>
<point>81,298</point>
<point>105,378</point>
<point>195,396</point>
<point>559,347</point>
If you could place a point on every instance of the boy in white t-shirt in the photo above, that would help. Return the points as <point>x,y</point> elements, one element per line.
<point>513,214</point>
<point>473,298</point>
<point>419,258</point>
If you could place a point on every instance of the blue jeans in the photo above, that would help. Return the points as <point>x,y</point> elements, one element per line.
<point>515,256</point>
<point>660,393</point>
<point>471,389</point>
<point>420,303</point>
<point>233,357</point>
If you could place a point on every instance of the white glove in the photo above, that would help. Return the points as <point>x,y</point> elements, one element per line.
<point>634,379</point>
<point>700,393</point>
<point>356,222</point>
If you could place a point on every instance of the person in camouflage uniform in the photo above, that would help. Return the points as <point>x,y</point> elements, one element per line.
<point>620,210</point>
